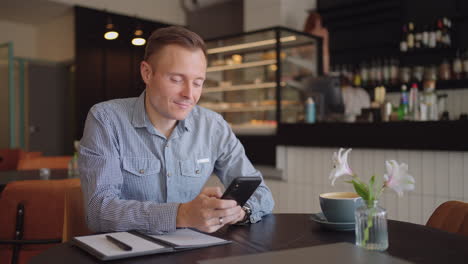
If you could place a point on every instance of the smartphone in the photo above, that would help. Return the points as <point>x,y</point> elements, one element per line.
<point>241,188</point>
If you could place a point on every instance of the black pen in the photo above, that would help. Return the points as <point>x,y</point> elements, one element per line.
<point>118,243</point>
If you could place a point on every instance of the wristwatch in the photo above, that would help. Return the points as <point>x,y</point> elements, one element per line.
<point>248,212</point>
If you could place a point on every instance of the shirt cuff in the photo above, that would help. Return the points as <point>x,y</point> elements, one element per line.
<point>162,218</point>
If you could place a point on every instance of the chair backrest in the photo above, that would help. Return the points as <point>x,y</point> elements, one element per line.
<point>40,203</point>
<point>9,159</point>
<point>74,221</point>
<point>58,162</point>
<point>451,216</point>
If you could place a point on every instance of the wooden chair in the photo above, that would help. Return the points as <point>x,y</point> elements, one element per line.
<point>31,218</point>
<point>74,221</point>
<point>451,216</point>
<point>58,162</point>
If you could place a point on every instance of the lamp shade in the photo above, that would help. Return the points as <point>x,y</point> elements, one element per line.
<point>138,39</point>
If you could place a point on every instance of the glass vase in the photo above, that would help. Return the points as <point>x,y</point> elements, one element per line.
<point>371,227</point>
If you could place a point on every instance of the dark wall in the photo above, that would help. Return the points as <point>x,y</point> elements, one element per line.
<point>106,69</point>
<point>365,29</point>
<point>217,20</point>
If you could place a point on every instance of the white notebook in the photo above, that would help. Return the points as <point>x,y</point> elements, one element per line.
<point>142,244</point>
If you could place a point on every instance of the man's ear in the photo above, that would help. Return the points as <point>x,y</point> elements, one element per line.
<point>146,71</point>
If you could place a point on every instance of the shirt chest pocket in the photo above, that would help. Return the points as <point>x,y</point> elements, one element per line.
<point>141,166</point>
<point>194,167</point>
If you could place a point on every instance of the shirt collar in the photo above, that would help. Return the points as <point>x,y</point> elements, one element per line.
<point>140,117</point>
<point>139,111</point>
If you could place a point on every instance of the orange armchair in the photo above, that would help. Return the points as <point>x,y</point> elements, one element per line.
<point>31,218</point>
<point>58,162</point>
<point>9,158</point>
<point>451,216</point>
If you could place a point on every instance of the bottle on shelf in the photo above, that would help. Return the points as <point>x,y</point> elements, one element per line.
<point>446,32</point>
<point>439,28</point>
<point>457,66</point>
<point>417,38</point>
<point>465,64</point>
<point>432,37</point>
<point>428,105</point>
<point>364,74</point>
<point>379,72</point>
<point>410,36</point>
<point>403,109</point>
<point>310,110</point>
<point>414,103</point>
<point>404,39</point>
<point>425,37</point>
<point>357,78</point>
<point>386,71</point>
<point>393,71</point>
<point>444,70</point>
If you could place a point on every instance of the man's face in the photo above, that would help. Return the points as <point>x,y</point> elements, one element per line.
<point>174,79</point>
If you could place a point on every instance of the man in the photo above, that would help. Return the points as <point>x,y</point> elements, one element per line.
<point>144,161</point>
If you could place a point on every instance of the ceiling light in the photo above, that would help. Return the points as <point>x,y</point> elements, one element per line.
<point>111,33</point>
<point>138,39</point>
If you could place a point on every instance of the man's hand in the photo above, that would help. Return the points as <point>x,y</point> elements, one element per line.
<point>206,211</point>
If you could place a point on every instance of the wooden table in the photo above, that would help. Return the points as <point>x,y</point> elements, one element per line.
<point>415,243</point>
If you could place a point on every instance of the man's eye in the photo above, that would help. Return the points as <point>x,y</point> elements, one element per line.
<point>176,79</point>
<point>198,84</point>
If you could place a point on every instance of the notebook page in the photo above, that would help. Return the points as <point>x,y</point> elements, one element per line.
<point>189,238</point>
<point>102,245</point>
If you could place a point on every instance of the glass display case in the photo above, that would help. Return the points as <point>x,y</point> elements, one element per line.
<point>254,79</point>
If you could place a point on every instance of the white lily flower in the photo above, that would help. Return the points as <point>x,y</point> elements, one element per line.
<point>340,165</point>
<point>397,177</point>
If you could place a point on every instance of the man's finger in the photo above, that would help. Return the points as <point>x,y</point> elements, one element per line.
<point>216,203</point>
<point>212,192</point>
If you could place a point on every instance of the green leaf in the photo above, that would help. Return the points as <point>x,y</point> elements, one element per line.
<point>372,188</point>
<point>361,189</point>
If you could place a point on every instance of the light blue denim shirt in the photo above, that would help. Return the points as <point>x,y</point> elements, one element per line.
<point>134,178</point>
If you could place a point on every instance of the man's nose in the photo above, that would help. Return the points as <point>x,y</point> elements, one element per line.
<point>187,90</point>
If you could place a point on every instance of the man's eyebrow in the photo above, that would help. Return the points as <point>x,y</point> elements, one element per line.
<point>183,75</point>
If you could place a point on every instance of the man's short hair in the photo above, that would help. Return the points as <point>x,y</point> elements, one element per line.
<point>173,35</point>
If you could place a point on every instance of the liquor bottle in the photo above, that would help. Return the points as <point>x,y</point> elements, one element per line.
<point>457,66</point>
<point>404,107</point>
<point>414,102</point>
<point>357,78</point>
<point>386,71</point>
<point>417,38</point>
<point>444,70</point>
<point>410,37</point>
<point>465,64</point>
<point>364,74</point>
<point>372,73</point>
<point>379,71</point>
<point>432,37</point>
<point>310,110</point>
<point>440,25</point>
<point>404,40</point>
<point>393,71</point>
<point>446,33</point>
<point>425,37</point>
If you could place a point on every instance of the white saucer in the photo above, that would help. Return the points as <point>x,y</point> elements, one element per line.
<point>322,221</point>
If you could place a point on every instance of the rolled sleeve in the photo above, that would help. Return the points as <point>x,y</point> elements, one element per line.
<point>232,162</point>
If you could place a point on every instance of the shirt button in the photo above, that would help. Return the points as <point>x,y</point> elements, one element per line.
<point>197,171</point>
<point>167,145</point>
<point>142,171</point>
<point>168,174</point>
